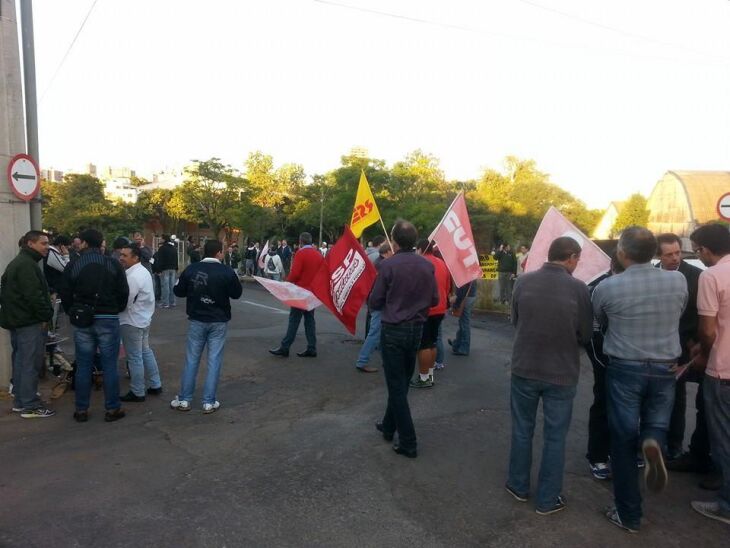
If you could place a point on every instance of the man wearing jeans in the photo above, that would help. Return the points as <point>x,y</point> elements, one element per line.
<point>135,327</point>
<point>305,266</point>
<point>712,245</point>
<point>372,339</point>
<point>551,312</point>
<point>167,267</point>
<point>466,296</point>
<point>208,285</point>
<point>98,282</point>
<point>640,309</point>
<point>25,310</point>
<point>404,291</point>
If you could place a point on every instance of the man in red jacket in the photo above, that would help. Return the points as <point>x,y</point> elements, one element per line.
<point>427,349</point>
<point>307,262</point>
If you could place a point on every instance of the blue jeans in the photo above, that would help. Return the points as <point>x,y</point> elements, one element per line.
<point>167,283</point>
<point>28,345</point>
<point>639,399</point>
<point>141,359</point>
<point>199,334</point>
<point>372,341</point>
<point>399,346</point>
<point>103,335</point>
<point>462,341</point>
<point>717,409</point>
<point>557,410</point>
<point>295,317</point>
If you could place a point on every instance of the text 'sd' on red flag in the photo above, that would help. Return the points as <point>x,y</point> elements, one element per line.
<point>345,280</point>
<point>454,239</point>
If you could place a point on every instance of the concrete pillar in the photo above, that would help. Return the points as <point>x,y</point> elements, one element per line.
<point>14,214</point>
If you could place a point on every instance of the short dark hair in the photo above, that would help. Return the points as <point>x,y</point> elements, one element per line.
<point>638,244</point>
<point>33,236</point>
<point>120,242</point>
<point>133,249</point>
<point>62,240</point>
<point>212,248</point>
<point>667,238</point>
<point>166,237</point>
<point>93,238</point>
<point>404,234</point>
<point>563,248</point>
<point>424,246</point>
<point>384,248</point>
<point>714,237</point>
<point>378,240</point>
<point>305,238</point>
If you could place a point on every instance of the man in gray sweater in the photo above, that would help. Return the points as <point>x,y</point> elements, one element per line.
<point>552,314</point>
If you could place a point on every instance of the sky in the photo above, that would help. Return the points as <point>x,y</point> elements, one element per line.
<point>604,96</point>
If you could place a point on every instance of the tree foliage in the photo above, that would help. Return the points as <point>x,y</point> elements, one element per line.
<point>633,213</point>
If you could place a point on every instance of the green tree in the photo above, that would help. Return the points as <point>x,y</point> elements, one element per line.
<point>210,193</point>
<point>633,213</point>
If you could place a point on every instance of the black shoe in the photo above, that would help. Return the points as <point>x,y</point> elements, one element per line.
<point>387,436</point>
<point>410,453</point>
<point>686,462</point>
<point>81,416</point>
<point>713,482</point>
<point>307,354</point>
<point>131,396</point>
<point>279,351</point>
<point>154,391</point>
<point>114,415</point>
<point>450,341</point>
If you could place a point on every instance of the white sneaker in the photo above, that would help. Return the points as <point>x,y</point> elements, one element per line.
<point>211,407</point>
<point>180,405</point>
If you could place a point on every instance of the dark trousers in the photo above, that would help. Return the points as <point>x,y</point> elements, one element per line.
<point>295,317</point>
<point>599,436</point>
<point>717,401</point>
<point>699,446</point>
<point>28,344</point>
<point>399,346</point>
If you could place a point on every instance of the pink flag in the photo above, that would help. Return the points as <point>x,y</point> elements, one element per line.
<point>290,294</point>
<point>455,241</point>
<point>593,261</point>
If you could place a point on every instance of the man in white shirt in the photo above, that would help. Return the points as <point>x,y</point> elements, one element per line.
<point>135,327</point>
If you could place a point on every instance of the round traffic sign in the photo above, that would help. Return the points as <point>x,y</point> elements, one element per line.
<point>24,177</point>
<point>723,207</point>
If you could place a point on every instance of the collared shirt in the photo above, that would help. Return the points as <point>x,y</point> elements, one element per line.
<point>641,308</point>
<point>141,302</point>
<point>405,289</point>
<point>713,300</point>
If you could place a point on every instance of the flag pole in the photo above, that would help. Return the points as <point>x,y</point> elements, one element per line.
<point>387,238</point>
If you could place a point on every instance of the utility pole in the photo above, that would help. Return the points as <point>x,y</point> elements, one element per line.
<point>15,214</point>
<point>321,214</point>
<point>31,101</point>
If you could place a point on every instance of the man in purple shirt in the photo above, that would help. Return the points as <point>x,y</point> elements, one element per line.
<point>403,292</point>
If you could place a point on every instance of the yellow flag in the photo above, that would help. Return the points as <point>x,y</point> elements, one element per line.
<point>365,211</point>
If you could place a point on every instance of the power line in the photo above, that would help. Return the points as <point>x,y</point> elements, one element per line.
<point>70,47</point>
<point>620,31</point>
<point>478,30</point>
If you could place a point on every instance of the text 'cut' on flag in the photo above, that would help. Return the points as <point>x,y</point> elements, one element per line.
<point>365,212</point>
<point>593,261</point>
<point>454,239</point>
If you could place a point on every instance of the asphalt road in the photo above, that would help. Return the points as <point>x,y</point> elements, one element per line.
<point>292,458</point>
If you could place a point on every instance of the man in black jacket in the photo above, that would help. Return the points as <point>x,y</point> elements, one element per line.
<point>166,265</point>
<point>99,282</point>
<point>208,285</point>
<point>506,271</point>
<point>698,458</point>
<point>25,309</point>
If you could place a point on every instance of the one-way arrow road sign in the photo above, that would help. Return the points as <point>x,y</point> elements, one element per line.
<point>24,177</point>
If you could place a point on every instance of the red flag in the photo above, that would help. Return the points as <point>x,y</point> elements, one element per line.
<point>454,239</point>
<point>345,279</point>
<point>593,261</point>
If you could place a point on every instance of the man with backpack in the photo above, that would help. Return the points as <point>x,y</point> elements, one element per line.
<point>274,267</point>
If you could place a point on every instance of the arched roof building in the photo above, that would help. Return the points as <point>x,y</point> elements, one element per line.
<point>683,200</point>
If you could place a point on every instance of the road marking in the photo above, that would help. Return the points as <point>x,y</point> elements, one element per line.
<point>279,310</point>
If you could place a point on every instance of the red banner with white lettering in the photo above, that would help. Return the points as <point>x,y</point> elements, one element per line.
<point>345,279</point>
<point>454,239</point>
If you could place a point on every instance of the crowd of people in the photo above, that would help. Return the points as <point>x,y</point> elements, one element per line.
<point>647,329</point>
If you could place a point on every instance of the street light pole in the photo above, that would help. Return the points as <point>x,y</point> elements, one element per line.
<point>321,214</point>
<point>31,101</point>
